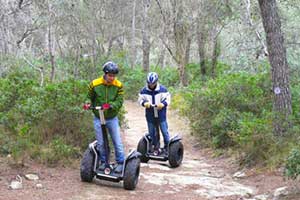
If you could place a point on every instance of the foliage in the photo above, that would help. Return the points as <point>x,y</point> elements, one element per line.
<point>32,115</point>
<point>233,110</point>
<point>255,138</point>
<point>168,76</point>
<point>194,73</point>
<point>57,152</point>
<point>293,164</point>
<point>133,80</point>
<point>295,92</point>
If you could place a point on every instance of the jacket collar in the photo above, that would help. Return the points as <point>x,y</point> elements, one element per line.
<point>156,89</point>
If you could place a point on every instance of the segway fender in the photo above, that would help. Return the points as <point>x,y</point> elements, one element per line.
<point>133,154</point>
<point>175,139</point>
<point>147,137</point>
<point>92,147</point>
<point>148,140</point>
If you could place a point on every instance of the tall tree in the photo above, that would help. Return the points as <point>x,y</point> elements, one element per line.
<point>146,36</point>
<point>51,41</point>
<point>180,31</point>
<point>133,30</point>
<point>282,103</point>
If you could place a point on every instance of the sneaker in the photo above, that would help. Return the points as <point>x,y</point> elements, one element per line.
<point>119,168</point>
<point>101,166</point>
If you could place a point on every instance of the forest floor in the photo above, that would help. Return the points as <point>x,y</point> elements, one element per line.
<point>201,176</point>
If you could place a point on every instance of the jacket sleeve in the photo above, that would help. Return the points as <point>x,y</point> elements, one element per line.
<point>166,98</point>
<point>142,99</point>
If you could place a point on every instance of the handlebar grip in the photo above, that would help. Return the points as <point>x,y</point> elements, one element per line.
<point>96,107</point>
<point>86,107</point>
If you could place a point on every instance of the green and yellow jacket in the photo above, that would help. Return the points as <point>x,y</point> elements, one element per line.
<point>101,92</point>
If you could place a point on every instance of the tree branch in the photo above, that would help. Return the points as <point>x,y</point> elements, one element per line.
<point>40,69</point>
<point>258,35</point>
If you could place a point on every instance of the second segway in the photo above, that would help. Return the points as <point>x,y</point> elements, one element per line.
<point>174,153</point>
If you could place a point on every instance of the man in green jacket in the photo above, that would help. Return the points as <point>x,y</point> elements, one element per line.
<point>108,92</point>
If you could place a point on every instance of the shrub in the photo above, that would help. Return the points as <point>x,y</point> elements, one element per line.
<point>32,115</point>
<point>292,168</point>
<point>216,109</point>
<point>133,80</point>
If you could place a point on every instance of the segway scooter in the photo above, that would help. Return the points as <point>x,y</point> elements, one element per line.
<point>89,167</point>
<point>174,152</point>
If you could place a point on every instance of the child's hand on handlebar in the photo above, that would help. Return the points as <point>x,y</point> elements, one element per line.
<point>147,104</point>
<point>160,106</point>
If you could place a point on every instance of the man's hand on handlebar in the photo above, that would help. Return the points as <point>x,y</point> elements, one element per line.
<point>86,106</point>
<point>106,106</point>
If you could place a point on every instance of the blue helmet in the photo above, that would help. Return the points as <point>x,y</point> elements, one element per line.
<point>152,78</point>
<point>110,67</point>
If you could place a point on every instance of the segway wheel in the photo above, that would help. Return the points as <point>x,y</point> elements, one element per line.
<point>131,174</point>
<point>175,154</point>
<point>142,148</point>
<point>86,167</point>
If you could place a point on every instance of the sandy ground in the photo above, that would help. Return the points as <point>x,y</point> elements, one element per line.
<point>199,177</point>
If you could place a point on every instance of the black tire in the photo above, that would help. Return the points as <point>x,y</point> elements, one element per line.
<point>87,165</point>
<point>175,154</point>
<point>131,174</point>
<point>142,148</point>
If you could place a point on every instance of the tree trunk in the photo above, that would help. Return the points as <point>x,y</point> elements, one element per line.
<point>109,48</point>
<point>282,103</point>
<point>187,50</point>
<point>133,45</point>
<point>146,37</point>
<point>161,59</point>
<point>50,48</point>
<point>216,53</point>
<point>180,32</point>
<point>201,50</point>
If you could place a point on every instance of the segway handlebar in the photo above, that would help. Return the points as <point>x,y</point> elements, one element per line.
<point>105,106</point>
<point>100,109</point>
<point>96,107</point>
<point>154,106</point>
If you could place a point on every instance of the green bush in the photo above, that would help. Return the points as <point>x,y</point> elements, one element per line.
<point>133,80</point>
<point>292,168</point>
<point>223,125</point>
<point>32,115</point>
<point>221,110</point>
<point>255,138</point>
<point>168,76</point>
<point>193,71</point>
<point>295,91</point>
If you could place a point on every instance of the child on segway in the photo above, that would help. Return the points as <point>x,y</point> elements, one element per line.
<point>156,98</point>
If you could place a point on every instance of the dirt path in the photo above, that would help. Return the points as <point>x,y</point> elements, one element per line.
<point>199,177</point>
